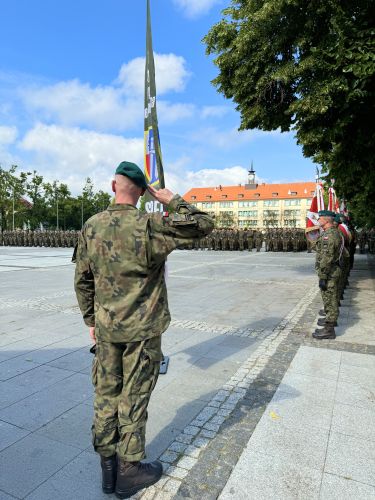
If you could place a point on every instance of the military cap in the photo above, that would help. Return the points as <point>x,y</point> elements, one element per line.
<point>326,213</point>
<point>340,218</point>
<point>131,170</point>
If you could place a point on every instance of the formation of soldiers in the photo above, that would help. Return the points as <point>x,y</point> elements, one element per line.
<point>366,237</point>
<point>274,240</point>
<point>335,251</point>
<point>27,238</point>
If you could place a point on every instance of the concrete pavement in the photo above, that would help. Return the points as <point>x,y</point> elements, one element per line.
<point>250,408</point>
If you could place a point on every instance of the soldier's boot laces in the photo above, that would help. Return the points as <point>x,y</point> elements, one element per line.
<point>109,472</point>
<point>328,332</point>
<point>322,322</point>
<point>134,476</point>
<point>322,312</point>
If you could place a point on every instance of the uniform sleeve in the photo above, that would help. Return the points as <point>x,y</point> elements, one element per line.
<point>183,225</point>
<point>84,284</point>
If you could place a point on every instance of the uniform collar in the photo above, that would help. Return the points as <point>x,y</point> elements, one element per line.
<point>121,206</point>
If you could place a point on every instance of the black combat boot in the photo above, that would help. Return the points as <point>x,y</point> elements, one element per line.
<point>328,332</point>
<point>322,322</point>
<point>134,476</point>
<point>322,312</point>
<point>109,470</point>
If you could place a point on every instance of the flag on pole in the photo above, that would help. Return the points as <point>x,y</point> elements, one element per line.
<point>333,203</point>
<point>317,204</point>
<point>153,162</point>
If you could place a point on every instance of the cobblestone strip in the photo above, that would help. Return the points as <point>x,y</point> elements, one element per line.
<point>182,455</point>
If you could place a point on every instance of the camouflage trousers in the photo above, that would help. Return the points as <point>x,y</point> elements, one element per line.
<point>331,300</point>
<point>124,376</point>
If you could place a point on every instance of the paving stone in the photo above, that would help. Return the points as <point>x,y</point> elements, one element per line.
<point>345,488</point>
<point>80,478</point>
<point>35,410</point>
<point>41,377</point>
<point>169,456</point>
<point>10,434</point>
<point>73,427</point>
<point>177,447</point>
<point>177,472</point>
<point>13,367</point>
<point>346,419</point>
<point>172,486</point>
<point>257,476</point>
<point>351,457</point>
<point>187,462</point>
<point>31,461</point>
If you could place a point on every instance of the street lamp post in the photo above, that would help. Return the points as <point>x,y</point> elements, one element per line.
<point>13,211</point>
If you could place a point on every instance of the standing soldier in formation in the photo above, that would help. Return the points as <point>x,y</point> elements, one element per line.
<point>250,240</point>
<point>258,240</point>
<point>329,250</point>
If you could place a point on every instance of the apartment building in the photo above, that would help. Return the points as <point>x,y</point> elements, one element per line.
<point>255,205</point>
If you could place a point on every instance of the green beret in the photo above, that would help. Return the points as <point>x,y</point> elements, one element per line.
<point>134,173</point>
<point>326,213</point>
<point>339,218</point>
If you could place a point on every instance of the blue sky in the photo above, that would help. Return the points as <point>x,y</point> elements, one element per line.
<point>71,96</point>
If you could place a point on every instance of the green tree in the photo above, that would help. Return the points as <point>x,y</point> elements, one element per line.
<point>306,66</point>
<point>12,206</point>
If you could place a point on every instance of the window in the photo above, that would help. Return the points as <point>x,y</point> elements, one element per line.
<point>248,213</point>
<point>291,203</point>
<point>226,204</point>
<point>240,195</point>
<point>248,223</point>
<point>247,204</point>
<point>256,195</point>
<point>226,213</point>
<point>271,203</point>
<point>271,213</point>
<point>210,204</point>
<point>224,196</point>
<point>274,195</point>
<point>294,193</point>
<point>193,197</point>
<point>208,196</point>
<point>292,213</point>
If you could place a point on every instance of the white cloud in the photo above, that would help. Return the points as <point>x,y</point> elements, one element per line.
<point>76,103</point>
<point>180,180</point>
<point>170,70</point>
<point>195,8</point>
<point>115,107</point>
<point>8,135</point>
<point>71,154</point>
<point>215,111</point>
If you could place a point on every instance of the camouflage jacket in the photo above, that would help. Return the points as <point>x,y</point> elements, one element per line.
<point>120,267</point>
<point>329,250</point>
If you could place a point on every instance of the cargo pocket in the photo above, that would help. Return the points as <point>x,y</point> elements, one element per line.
<point>150,363</point>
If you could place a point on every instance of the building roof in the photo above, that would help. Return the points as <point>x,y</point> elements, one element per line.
<point>255,192</point>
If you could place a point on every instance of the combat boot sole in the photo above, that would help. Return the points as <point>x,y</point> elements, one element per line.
<point>132,491</point>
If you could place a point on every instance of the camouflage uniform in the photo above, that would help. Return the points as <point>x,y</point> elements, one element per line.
<point>121,290</point>
<point>328,253</point>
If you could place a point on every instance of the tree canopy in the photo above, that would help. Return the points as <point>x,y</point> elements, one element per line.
<point>306,66</point>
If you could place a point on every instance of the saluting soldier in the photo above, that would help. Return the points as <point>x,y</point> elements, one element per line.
<point>121,291</point>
